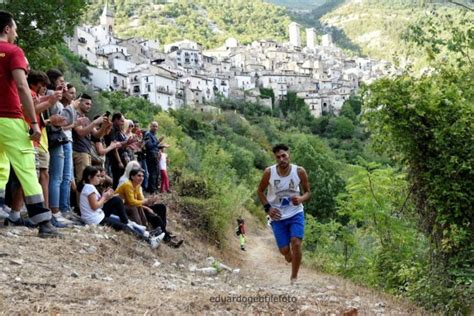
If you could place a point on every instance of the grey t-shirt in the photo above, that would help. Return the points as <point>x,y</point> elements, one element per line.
<point>55,109</point>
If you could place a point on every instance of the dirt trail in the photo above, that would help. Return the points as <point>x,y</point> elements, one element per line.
<point>316,292</point>
<point>97,270</point>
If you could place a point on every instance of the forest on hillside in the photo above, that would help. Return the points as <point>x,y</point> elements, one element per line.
<point>209,22</point>
<point>378,28</point>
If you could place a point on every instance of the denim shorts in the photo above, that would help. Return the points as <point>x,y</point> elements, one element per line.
<point>287,228</point>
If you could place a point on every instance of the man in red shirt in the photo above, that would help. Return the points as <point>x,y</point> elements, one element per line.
<point>15,143</point>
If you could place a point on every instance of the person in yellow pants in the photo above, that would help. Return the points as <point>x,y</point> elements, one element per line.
<point>16,147</point>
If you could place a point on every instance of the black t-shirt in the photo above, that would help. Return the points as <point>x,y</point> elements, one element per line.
<point>81,144</point>
<point>96,140</point>
<point>115,135</point>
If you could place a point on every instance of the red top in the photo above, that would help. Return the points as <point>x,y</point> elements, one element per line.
<point>242,228</point>
<point>11,58</point>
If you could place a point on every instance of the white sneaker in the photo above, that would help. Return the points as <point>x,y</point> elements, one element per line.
<point>61,219</point>
<point>4,212</point>
<point>154,242</point>
<point>161,236</point>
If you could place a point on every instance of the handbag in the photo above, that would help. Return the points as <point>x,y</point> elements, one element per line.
<point>56,135</point>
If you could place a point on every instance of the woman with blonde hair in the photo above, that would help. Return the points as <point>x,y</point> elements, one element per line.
<point>131,165</point>
<point>145,211</point>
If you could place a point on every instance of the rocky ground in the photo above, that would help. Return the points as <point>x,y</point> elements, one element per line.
<point>97,270</point>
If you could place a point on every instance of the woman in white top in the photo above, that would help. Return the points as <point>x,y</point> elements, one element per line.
<point>107,209</point>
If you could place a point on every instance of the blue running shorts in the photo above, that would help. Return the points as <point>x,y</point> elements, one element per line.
<point>287,228</point>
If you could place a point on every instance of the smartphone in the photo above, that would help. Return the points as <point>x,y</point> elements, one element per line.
<point>106,114</point>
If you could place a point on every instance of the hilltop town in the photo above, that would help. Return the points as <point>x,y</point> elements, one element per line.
<point>183,74</point>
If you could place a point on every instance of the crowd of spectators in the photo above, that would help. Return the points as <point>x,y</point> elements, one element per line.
<point>67,169</point>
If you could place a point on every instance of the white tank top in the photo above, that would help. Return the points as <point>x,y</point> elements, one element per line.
<point>281,189</point>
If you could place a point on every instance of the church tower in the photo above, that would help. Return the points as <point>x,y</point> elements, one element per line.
<point>107,19</point>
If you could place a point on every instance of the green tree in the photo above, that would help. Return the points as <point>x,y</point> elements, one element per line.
<point>326,184</point>
<point>132,108</point>
<point>340,127</point>
<point>42,24</point>
<point>428,124</point>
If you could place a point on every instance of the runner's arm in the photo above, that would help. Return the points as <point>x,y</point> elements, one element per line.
<point>304,184</point>
<point>263,186</point>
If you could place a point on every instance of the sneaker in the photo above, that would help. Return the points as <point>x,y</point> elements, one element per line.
<point>47,230</point>
<point>75,220</point>
<point>4,213</point>
<point>155,232</point>
<point>161,236</point>
<point>29,223</point>
<point>61,219</point>
<point>155,241</point>
<point>56,223</point>
<point>10,222</point>
<point>242,248</point>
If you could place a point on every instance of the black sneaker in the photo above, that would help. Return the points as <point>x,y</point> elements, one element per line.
<point>47,230</point>
<point>155,232</point>
<point>10,222</point>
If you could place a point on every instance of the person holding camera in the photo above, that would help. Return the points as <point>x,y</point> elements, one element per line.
<point>118,156</point>
<point>56,140</point>
<point>81,135</point>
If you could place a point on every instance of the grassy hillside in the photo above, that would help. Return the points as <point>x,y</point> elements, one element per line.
<point>376,27</point>
<point>208,22</point>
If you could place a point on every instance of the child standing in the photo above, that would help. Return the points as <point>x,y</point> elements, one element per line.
<point>241,233</point>
<point>164,161</point>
